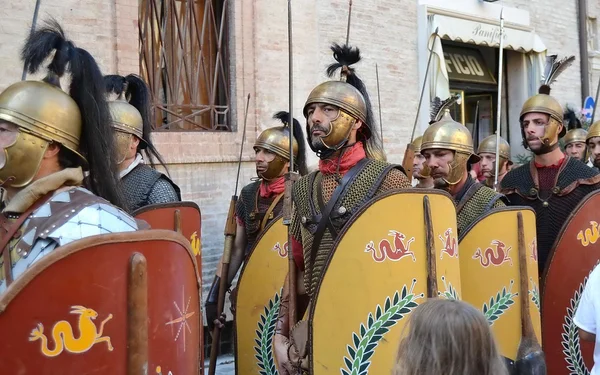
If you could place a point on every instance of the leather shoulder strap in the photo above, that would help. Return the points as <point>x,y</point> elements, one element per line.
<point>337,193</point>
<point>269,211</point>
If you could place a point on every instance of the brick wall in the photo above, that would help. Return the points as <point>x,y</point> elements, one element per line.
<point>107,29</point>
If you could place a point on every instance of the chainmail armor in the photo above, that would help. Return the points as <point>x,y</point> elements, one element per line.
<point>145,185</point>
<point>374,179</point>
<point>251,209</point>
<point>574,181</point>
<point>476,199</point>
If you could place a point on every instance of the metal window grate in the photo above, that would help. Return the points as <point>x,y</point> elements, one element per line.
<point>185,61</point>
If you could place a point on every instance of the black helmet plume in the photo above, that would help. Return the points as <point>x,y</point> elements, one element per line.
<point>571,120</point>
<point>135,91</point>
<point>300,160</point>
<point>346,56</point>
<point>87,90</point>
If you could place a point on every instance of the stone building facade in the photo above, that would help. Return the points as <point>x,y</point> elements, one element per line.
<point>392,34</point>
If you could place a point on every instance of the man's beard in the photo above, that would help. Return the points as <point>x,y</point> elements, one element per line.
<point>316,140</point>
<point>440,183</point>
<point>317,143</point>
<point>596,163</point>
<point>542,148</point>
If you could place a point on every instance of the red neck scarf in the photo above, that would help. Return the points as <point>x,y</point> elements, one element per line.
<point>351,156</point>
<point>271,188</point>
<point>557,165</point>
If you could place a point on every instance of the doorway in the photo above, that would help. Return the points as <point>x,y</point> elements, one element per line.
<point>473,74</point>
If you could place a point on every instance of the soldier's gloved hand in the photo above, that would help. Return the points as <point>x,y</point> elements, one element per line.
<point>281,345</point>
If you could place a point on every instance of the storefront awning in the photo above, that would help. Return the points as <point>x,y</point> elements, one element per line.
<point>488,34</point>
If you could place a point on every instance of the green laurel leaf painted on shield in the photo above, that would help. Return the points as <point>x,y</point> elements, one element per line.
<point>378,324</point>
<point>499,304</point>
<point>449,293</point>
<point>535,294</point>
<point>264,337</point>
<point>570,336</point>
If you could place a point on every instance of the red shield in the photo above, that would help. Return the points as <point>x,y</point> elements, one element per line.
<point>109,304</point>
<point>182,217</point>
<point>575,253</point>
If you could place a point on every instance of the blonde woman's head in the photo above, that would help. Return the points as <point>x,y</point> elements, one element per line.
<point>445,337</point>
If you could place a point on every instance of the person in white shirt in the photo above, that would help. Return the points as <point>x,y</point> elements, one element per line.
<point>587,316</point>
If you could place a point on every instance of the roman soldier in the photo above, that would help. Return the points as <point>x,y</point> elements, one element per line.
<point>448,149</point>
<point>49,138</point>
<point>131,117</point>
<point>421,180</point>
<point>261,201</point>
<point>487,154</point>
<point>552,183</point>
<point>575,139</point>
<point>342,132</point>
<point>592,140</point>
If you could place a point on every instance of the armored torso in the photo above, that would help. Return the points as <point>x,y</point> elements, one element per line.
<point>70,214</point>
<point>251,210</point>
<point>313,192</point>
<point>474,200</point>
<point>144,185</point>
<point>552,194</point>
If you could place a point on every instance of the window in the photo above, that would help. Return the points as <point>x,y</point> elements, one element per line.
<point>185,60</point>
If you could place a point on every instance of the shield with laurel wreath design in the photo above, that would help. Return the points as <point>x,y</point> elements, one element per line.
<point>375,277</point>
<point>490,277</point>
<point>574,255</point>
<point>257,301</point>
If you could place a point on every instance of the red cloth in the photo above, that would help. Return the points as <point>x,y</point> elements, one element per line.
<point>298,253</point>
<point>270,188</point>
<point>349,159</point>
<point>239,221</point>
<point>547,174</point>
<point>557,165</point>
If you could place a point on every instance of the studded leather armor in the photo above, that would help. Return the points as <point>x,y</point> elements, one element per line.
<point>69,215</point>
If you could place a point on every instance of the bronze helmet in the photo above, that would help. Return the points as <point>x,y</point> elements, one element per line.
<point>350,96</point>
<point>575,135</point>
<point>126,121</point>
<point>44,113</point>
<point>277,140</point>
<point>416,143</point>
<point>593,131</point>
<point>544,103</point>
<point>451,135</point>
<point>488,145</point>
<point>78,121</point>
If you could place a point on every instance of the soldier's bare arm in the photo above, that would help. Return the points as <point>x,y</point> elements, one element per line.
<point>237,253</point>
<point>587,336</point>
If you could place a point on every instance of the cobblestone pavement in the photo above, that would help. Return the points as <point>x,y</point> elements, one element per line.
<point>225,365</point>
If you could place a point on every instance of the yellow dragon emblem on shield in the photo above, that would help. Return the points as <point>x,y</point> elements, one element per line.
<point>590,236</point>
<point>63,336</point>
